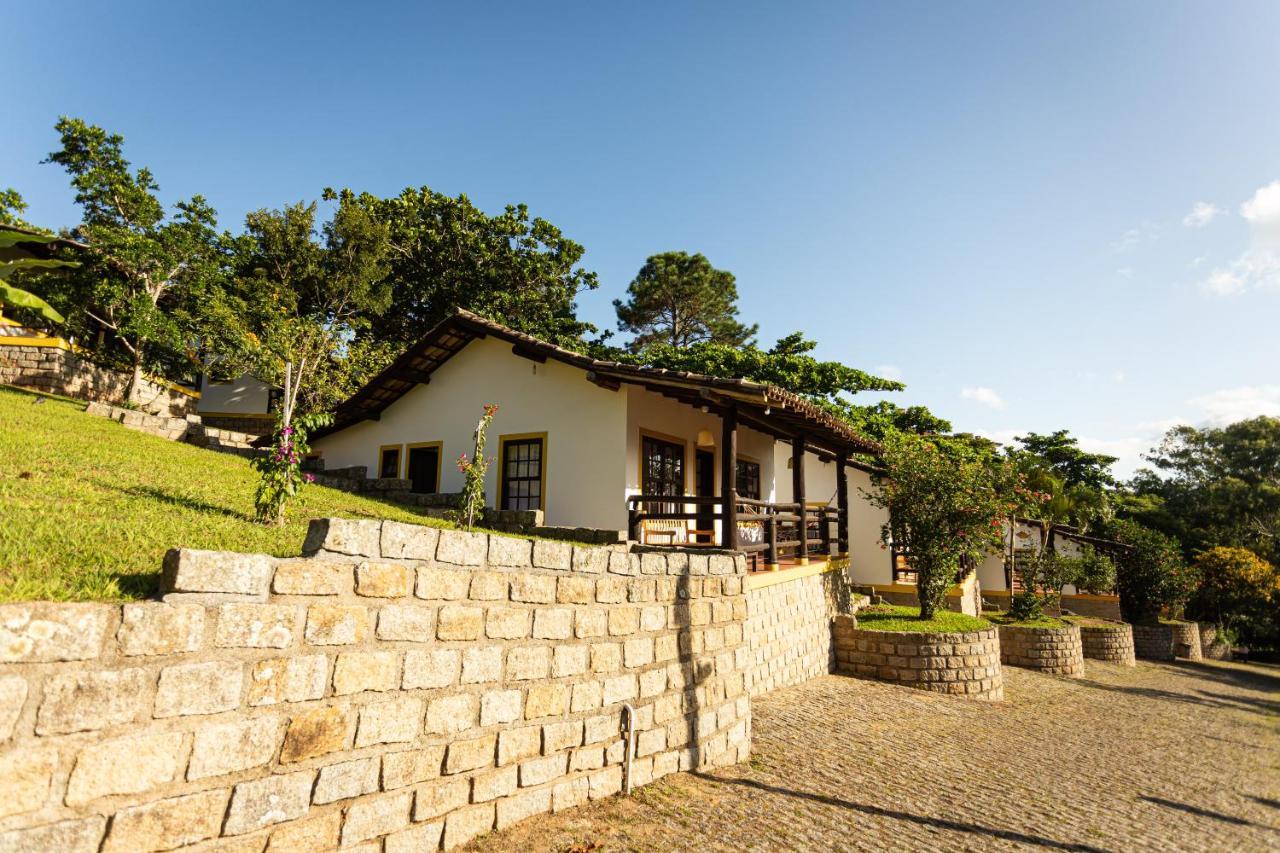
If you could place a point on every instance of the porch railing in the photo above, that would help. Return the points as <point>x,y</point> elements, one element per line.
<point>769,529</point>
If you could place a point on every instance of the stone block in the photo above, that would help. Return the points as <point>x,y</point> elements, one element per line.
<point>221,748</point>
<point>86,701</point>
<point>510,551</point>
<point>451,714</point>
<point>606,657</point>
<point>13,695</point>
<point>470,754</point>
<point>606,782</point>
<point>576,590</point>
<point>318,731</point>
<point>571,794</point>
<point>384,580</point>
<point>620,689</point>
<point>256,626</point>
<point>533,589</point>
<point>129,765</point>
<point>654,618</point>
<point>465,824</point>
<point>623,621</point>
<point>166,824</point>
<point>396,721</point>
<point>590,560</point>
<point>637,652</point>
<point>570,660</point>
<point>356,672</point>
<point>437,798</point>
<point>586,696</point>
<point>559,736</point>
<point>44,632</point>
<point>160,629</point>
<point>68,836</point>
<point>343,536</point>
<point>489,586</point>
<point>459,622</point>
<point>311,576</point>
<point>291,679</point>
<point>412,766</point>
<point>346,780</point>
<point>462,548</point>
<point>431,668</point>
<point>518,744</point>
<point>528,662</point>
<point>653,682</point>
<point>191,570</point>
<point>199,688</point>
<point>336,624</point>
<point>492,785</point>
<point>481,665</point>
<point>263,802</point>
<point>552,554</point>
<point>539,771</point>
<point>553,623</point>
<point>591,623</point>
<point>621,563</point>
<point>443,584</point>
<point>506,623</point>
<point>25,778</point>
<point>611,590</point>
<point>517,808</point>
<point>317,833</point>
<point>546,700</point>
<point>407,623</point>
<point>414,840</point>
<point>500,706</point>
<point>408,541</point>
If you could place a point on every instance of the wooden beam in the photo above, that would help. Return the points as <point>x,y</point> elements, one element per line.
<point>603,381</point>
<point>529,353</point>
<point>842,505</point>
<point>729,477</point>
<point>797,495</point>
<point>412,374</point>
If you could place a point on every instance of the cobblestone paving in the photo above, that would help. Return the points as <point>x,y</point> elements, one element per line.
<point>1161,757</point>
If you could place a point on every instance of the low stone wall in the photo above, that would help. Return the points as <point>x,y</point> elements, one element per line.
<point>1111,643</point>
<point>1186,640</point>
<point>247,424</point>
<point>1210,647</point>
<point>188,428</point>
<point>1056,651</point>
<point>403,685</point>
<point>55,370</point>
<point>1097,606</point>
<point>789,617</point>
<point>965,664</point>
<point>1153,642</point>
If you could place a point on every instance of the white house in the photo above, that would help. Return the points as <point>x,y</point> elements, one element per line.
<point>244,403</point>
<point>600,444</point>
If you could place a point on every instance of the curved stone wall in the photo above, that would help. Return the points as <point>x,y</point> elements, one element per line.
<point>1209,647</point>
<point>1153,642</point>
<point>963,664</point>
<point>1056,651</point>
<point>1111,643</point>
<point>1186,640</point>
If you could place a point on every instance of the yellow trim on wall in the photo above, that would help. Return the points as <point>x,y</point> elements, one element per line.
<point>684,457</point>
<point>439,445</point>
<point>760,580</point>
<point>49,343</point>
<point>399,449</point>
<point>263,416</point>
<point>502,455</point>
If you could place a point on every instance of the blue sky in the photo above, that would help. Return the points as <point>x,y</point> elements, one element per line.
<point>1039,216</point>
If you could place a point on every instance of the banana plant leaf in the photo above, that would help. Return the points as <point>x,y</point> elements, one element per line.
<point>10,295</point>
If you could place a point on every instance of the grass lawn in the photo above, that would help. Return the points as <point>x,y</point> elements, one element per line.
<point>1038,622</point>
<point>88,508</point>
<point>893,617</point>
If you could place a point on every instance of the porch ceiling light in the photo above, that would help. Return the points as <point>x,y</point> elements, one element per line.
<point>705,438</point>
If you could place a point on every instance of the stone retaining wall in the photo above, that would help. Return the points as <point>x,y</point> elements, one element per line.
<point>189,428</point>
<point>54,370</point>
<point>964,664</point>
<point>1186,640</point>
<point>1210,647</point>
<point>1112,643</point>
<point>1056,651</point>
<point>1153,642</point>
<point>403,685</point>
<point>789,626</point>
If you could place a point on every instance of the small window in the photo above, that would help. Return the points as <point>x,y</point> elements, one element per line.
<point>423,469</point>
<point>748,481</point>
<point>523,473</point>
<point>389,461</point>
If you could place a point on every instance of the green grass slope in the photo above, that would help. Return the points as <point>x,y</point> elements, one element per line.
<point>88,508</point>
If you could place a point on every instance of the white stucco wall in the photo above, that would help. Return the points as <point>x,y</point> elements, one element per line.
<point>244,395</point>
<point>585,427</point>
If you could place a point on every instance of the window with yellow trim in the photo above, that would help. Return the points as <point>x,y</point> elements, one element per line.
<point>522,473</point>
<point>389,462</point>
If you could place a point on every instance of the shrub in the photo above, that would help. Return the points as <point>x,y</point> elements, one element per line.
<point>1151,575</point>
<point>473,471</point>
<point>1239,591</point>
<point>281,468</point>
<point>1091,571</point>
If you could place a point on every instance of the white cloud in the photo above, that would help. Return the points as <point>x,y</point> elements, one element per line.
<point>1202,214</point>
<point>1147,231</point>
<point>889,371</point>
<point>985,396</point>
<point>1236,404</point>
<point>1258,267</point>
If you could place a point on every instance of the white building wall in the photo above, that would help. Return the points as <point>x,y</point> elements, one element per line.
<point>585,446</point>
<point>244,395</point>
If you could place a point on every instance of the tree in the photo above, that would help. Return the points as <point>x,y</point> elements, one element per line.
<point>1061,454</point>
<point>445,253</point>
<point>946,506</point>
<point>1214,486</point>
<point>1151,575</point>
<point>1240,592</point>
<point>679,300</point>
<point>145,274</point>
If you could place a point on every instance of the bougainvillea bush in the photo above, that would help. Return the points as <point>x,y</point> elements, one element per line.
<point>281,467</point>
<point>473,472</point>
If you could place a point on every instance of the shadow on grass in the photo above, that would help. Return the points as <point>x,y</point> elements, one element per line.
<point>139,584</point>
<point>1255,677</point>
<point>174,500</point>
<point>1198,811</point>
<point>922,820</point>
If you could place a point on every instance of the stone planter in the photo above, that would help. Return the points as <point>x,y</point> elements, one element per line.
<point>1112,643</point>
<point>1153,642</point>
<point>1056,651</point>
<point>961,664</point>
<point>1186,640</point>
<point>1209,647</point>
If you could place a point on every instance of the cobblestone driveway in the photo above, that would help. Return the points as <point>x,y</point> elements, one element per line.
<point>1163,757</point>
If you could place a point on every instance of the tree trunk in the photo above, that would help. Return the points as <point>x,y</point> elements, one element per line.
<point>132,392</point>
<point>926,608</point>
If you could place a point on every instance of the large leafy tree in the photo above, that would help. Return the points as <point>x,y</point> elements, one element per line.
<point>1061,454</point>
<point>1151,574</point>
<point>445,252</point>
<point>678,299</point>
<point>1214,486</point>
<point>145,273</point>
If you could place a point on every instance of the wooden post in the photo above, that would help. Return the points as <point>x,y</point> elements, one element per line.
<point>633,522</point>
<point>842,505</point>
<point>797,495</point>
<point>729,478</point>
<point>771,555</point>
